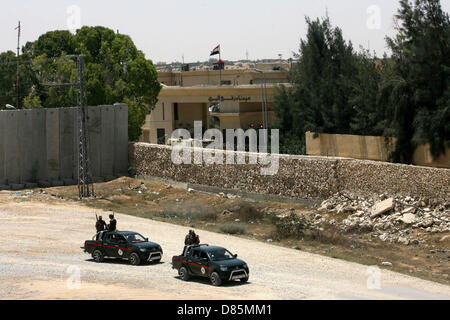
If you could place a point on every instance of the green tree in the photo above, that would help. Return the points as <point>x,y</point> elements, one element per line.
<point>32,101</point>
<point>326,81</point>
<point>115,71</point>
<point>8,78</point>
<point>8,72</point>
<point>136,118</point>
<point>52,44</point>
<point>369,113</point>
<point>417,91</point>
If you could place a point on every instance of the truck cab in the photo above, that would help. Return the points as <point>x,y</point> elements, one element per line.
<point>216,263</point>
<point>128,245</point>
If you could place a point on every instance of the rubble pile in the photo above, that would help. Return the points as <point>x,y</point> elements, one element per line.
<point>400,219</point>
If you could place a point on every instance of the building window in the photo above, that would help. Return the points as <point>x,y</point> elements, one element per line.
<point>161,134</point>
<point>175,111</point>
<point>163,111</point>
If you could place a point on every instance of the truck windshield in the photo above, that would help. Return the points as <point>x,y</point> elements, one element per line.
<point>220,254</point>
<point>135,237</point>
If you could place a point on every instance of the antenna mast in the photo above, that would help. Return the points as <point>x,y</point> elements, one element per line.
<point>18,65</point>
<point>85,185</point>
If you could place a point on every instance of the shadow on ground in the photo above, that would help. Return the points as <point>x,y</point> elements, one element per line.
<point>125,262</point>
<point>206,281</point>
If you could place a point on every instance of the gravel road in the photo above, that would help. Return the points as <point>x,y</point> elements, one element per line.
<point>41,250</point>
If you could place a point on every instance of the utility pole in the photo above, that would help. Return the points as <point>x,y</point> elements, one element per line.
<point>18,66</point>
<point>181,70</point>
<point>85,185</point>
<point>264,104</point>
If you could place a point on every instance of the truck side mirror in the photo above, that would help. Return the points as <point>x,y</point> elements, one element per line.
<point>235,256</point>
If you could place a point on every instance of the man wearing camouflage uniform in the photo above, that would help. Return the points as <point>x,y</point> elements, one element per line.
<point>100,225</point>
<point>112,223</point>
<point>190,239</point>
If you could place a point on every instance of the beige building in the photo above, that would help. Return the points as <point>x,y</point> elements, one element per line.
<point>368,148</point>
<point>223,99</point>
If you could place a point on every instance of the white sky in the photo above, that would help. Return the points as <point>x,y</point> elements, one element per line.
<point>166,29</point>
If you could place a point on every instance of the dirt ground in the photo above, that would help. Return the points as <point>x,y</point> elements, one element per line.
<point>173,203</point>
<point>42,235</point>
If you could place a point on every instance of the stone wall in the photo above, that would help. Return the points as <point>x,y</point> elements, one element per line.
<point>298,176</point>
<point>41,145</point>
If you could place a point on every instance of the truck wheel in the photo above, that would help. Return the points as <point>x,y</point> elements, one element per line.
<point>215,279</point>
<point>244,279</point>
<point>134,259</point>
<point>184,274</point>
<point>98,256</point>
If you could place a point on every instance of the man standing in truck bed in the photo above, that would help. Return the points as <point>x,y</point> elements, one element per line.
<point>191,238</point>
<point>100,225</point>
<point>112,226</point>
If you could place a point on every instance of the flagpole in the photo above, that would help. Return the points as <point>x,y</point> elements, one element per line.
<point>220,68</point>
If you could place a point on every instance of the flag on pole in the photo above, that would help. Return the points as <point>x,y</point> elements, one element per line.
<point>18,28</point>
<point>215,51</point>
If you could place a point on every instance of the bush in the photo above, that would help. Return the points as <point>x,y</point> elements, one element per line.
<point>166,213</point>
<point>189,212</point>
<point>198,212</point>
<point>232,228</point>
<point>247,213</point>
<point>291,226</point>
<point>333,237</point>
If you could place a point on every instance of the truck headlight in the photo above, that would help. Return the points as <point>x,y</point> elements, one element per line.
<point>245,266</point>
<point>223,268</point>
<point>142,250</point>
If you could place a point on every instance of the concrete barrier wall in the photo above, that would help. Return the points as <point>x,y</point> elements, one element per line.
<point>42,145</point>
<point>368,148</point>
<point>2,150</point>
<point>13,146</point>
<point>121,138</point>
<point>303,177</point>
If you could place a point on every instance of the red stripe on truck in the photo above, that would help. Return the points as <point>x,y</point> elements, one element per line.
<point>195,264</point>
<point>102,245</point>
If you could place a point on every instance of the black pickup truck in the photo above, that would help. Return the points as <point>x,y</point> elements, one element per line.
<point>123,244</point>
<point>216,263</point>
